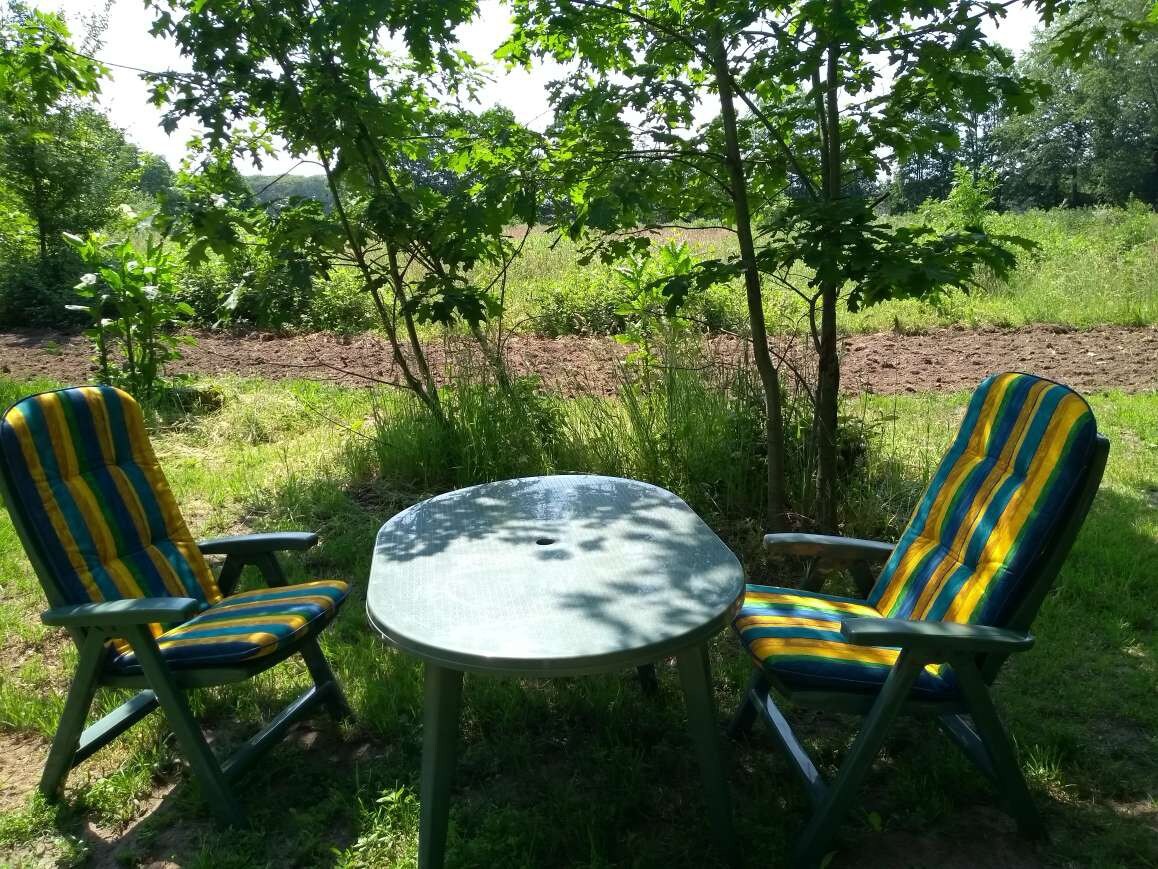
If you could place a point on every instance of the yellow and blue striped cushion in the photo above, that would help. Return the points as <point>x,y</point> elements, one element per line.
<point>247,626</point>
<point>796,636</point>
<point>1008,479</point>
<point>85,480</point>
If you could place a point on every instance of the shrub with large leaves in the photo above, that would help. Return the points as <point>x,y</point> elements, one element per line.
<point>131,301</point>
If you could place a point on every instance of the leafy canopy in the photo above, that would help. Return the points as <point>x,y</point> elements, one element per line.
<point>638,137</point>
<point>425,190</point>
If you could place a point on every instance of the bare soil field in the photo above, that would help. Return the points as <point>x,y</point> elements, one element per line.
<point>1109,357</point>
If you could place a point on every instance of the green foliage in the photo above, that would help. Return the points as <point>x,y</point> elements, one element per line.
<point>63,166</point>
<point>423,193</point>
<point>1089,138</point>
<point>38,66</point>
<point>654,289</point>
<point>815,100</point>
<point>782,142</point>
<point>1092,140</point>
<point>255,290</point>
<point>970,199</point>
<point>130,300</point>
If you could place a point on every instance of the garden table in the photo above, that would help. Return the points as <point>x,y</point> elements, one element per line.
<point>552,576</point>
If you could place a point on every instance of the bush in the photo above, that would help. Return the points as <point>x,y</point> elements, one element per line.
<point>587,304</point>
<point>132,308</point>
<point>340,304</point>
<point>255,292</point>
<point>35,294</point>
<point>601,300</point>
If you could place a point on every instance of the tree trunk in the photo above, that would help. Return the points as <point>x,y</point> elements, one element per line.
<point>828,364</point>
<point>42,232</point>
<point>769,377</point>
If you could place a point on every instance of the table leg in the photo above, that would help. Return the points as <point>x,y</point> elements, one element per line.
<point>696,679</point>
<point>648,681</point>
<point>443,696</point>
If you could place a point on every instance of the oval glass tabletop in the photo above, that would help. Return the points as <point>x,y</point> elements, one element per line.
<point>561,575</point>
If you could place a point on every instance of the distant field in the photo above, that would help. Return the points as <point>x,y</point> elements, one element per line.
<point>1093,266</point>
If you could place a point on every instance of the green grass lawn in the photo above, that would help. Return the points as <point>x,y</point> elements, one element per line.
<point>590,772</point>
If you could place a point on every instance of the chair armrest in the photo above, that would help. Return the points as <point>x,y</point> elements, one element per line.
<point>947,637</point>
<point>121,613</point>
<point>258,544</point>
<point>827,546</point>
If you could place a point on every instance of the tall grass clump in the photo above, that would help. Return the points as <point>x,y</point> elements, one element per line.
<point>696,431</point>
<point>494,429</point>
<point>686,422</point>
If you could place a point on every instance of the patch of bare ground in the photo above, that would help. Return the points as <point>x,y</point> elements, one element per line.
<point>21,758</point>
<point>162,833</point>
<point>1107,357</point>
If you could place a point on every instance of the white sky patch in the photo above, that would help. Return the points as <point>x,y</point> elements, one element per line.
<point>127,41</point>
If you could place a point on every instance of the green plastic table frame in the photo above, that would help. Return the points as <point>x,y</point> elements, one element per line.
<point>581,538</point>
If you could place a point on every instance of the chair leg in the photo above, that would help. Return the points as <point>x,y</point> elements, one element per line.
<point>1006,769</point>
<point>206,769</point>
<point>839,797</point>
<point>324,678</point>
<point>745,714</point>
<point>76,706</point>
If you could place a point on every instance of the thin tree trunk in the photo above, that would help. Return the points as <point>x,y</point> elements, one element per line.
<point>411,332</point>
<point>828,363</point>
<point>42,232</point>
<point>429,397</point>
<point>769,377</point>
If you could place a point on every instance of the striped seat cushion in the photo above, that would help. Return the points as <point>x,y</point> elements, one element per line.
<point>796,637</point>
<point>247,626</point>
<point>1008,479</point>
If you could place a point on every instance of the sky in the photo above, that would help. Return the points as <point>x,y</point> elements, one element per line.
<point>127,42</point>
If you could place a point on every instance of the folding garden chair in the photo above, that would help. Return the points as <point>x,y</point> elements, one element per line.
<point>124,576</point>
<point>956,597</point>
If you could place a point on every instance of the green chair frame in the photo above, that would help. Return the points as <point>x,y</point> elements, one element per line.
<point>92,625</point>
<point>975,652</point>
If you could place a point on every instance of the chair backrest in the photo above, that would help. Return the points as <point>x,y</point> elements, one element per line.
<point>90,503</point>
<point>1002,509</point>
